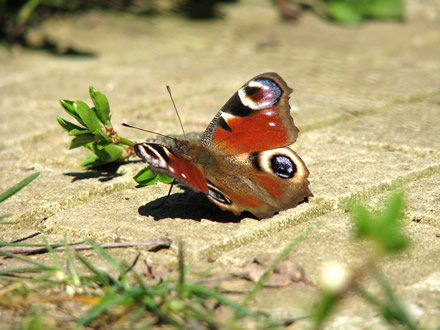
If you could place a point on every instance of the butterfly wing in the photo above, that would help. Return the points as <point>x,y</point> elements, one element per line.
<point>176,165</point>
<point>255,171</point>
<point>257,117</point>
<point>261,182</point>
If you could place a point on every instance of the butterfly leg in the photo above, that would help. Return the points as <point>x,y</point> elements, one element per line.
<point>166,198</point>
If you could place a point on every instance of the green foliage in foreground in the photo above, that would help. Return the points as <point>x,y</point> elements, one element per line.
<point>175,302</point>
<point>383,229</point>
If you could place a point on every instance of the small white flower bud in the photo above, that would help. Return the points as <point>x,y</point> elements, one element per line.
<point>334,277</point>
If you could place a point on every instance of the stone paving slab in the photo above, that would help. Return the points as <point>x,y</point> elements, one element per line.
<point>55,191</point>
<point>366,100</point>
<point>415,128</point>
<point>191,218</point>
<point>423,198</point>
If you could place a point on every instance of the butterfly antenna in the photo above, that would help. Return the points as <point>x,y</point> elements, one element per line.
<point>177,112</point>
<point>148,131</point>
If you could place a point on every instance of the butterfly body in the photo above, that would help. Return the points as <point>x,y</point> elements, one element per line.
<point>242,162</point>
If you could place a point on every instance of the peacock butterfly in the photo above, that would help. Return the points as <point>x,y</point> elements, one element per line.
<point>242,162</point>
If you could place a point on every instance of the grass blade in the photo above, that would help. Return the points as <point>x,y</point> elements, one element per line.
<point>14,271</point>
<point>71,263</point>
<point>240,309</point>
<point>13,190</point>
<point>396,310</point>
<point>106,256</point>
<point>284,254</point>
<point>103,306</point>
<point>53,254</point>
<point>102,278</point>
<point>31,261</point>
<point>163,316</point>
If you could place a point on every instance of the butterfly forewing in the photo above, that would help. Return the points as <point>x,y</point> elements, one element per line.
<point>165,160</point>
<point>257,117</point>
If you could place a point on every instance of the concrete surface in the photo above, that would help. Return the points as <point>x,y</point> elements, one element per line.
<point>366,100</point>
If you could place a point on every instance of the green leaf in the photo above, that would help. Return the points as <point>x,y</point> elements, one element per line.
<point>102,106</point>
<point>71,128</point>
<point>87,115</point>
<point>70,109</point>
<point>95,161</point>
<point>103,138</point>
<point>165,178</point>
<point>107,154</point>
<point>81,140</point>
<point>92,161</point>
<point>345,12</point>
<point>384,9</point>
<point>14,189</point>
<point>146,177</point>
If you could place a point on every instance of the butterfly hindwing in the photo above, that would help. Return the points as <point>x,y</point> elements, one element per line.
<point>260,182</point>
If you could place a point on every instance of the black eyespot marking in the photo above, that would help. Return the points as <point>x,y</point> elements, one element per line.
<point>249,91</point>
<point>255,160</point>
<point>236,107</point>
<point>217,195</point>
<point>283,166</point>
<point>223,124</point>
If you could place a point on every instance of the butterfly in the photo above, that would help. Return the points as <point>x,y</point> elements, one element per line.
<point>242,162</point>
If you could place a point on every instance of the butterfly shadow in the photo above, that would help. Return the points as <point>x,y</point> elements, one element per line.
<point>188,205</point>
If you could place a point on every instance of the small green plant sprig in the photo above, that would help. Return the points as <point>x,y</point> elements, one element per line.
<point>96,133</point>
<point>384,230</point>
